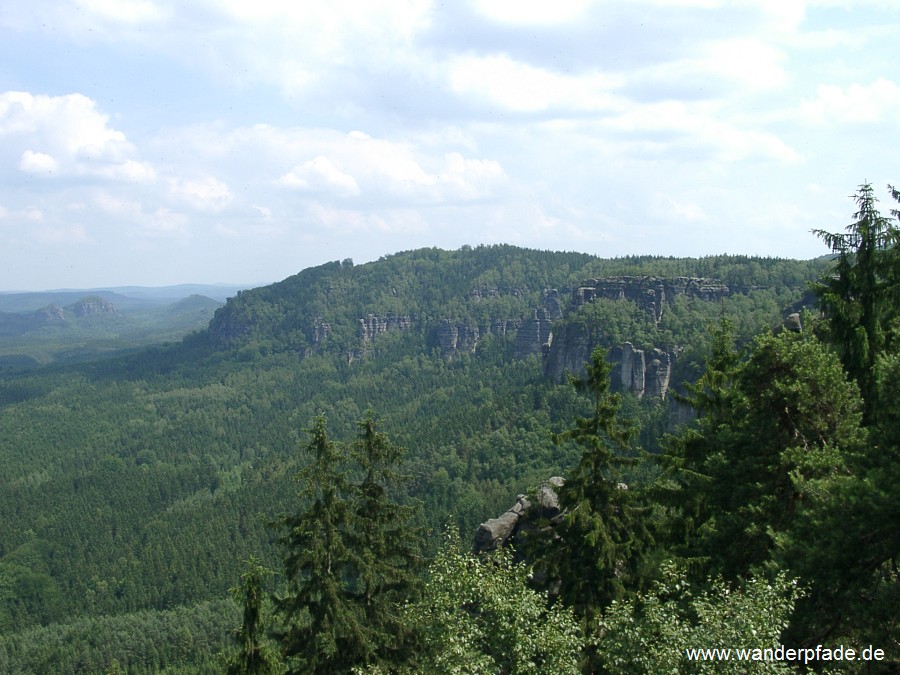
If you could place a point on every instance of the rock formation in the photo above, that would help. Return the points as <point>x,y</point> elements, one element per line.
<point>569,349</point>
<point>497,532</point>
<point>49,314</point>
<point>373,325</point>
<point>642,373</point>
<point>478,294</point>
<point>321,329</point>
<point>456,337</point>
<point>649,293</point>
<point>680,413</point>
<point>91,306</point>
<point>533,334</point>
<point>552,303</point>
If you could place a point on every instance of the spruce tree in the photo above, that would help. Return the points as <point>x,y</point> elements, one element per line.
<point>861,299</point>
<point>254,655</point>
<point>387,544</point>
<point>350,558</point>
<point>324,627</point>
<point>602,535</point>
<point>782,425</point>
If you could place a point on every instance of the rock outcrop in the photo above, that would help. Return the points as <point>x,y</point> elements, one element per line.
<point>321,329</point>
<point>457,337</point>
<point>373,325</point>
<point>569,349</point>
<point>92,306</point>
<point>543,506</point>
<point>533,334</point>
<point>478,294</point>
<point>49,314</point>
<point>552,303</point>
<point>640,372</point>
<point>680,413</point>
<point>649,293</point>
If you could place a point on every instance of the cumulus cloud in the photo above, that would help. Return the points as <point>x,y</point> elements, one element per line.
<point>125,11</point>
<point>535,122</point>
<point>855,103</point>
<point>537,12</point>
<point>62,234</point>
<point>519,87</point>
<point>320,175</point>
<point>66,135</point>
<point>37,163</point>
<point>207,193</point>
<point>383,170</point>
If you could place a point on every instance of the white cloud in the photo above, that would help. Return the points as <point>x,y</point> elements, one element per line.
<point>358,221</point>
<point>67,135</point>
<point>207,193</point>
<point>677,127</point>
<point>750,61</point>
<point>320,175</point>
<point>856,103</point>
<point>125,11</point>
<point>519,87</point>
<point>62,234</point>
<point>468,179</point>
<point>538,12</point>
<point>37,163</point>
<point>384,170</point>
<point>164,222</point>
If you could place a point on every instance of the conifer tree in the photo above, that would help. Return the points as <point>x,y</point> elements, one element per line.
<point>861,299</point>
<point>602,535</point>
<point>325,627</point>
<point>350,558</point>
<point>788,421</point>
<point>254,655</point>
<point>386,543</point>
<point>684,486</point>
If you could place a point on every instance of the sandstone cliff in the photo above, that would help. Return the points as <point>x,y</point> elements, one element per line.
<point>649,293</point>
<point>640,372</point>
<point>373,325</point>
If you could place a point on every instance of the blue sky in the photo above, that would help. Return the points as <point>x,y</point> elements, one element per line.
<point>154,142</point>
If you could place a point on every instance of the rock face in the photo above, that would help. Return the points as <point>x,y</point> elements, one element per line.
<point>679,414</point>
<point>497,532</point>
<point>640,372</point>
<point>92,306</point>
<point>456,337</point>
<point>569,349</point>
<point>373,325</point>
<point>50,314</point>
<point>649,293</point>
<point>552,303</point>
<point>658,373</point>
<point>321,329</point>
<point>533,334</point>
<point>478,294</point>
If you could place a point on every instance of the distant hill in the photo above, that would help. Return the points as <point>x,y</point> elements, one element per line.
<point>76,325</point>
<point>124,297</point>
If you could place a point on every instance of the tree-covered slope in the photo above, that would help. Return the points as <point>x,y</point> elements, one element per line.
<point>142,482</point>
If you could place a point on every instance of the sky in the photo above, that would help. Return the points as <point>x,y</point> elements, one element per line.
<point>157,142</point>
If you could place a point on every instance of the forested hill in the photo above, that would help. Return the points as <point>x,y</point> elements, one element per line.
<point>137,485</point>
<point>340,307</point>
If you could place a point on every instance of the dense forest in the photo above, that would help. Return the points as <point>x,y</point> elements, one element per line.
<point>295,487</point>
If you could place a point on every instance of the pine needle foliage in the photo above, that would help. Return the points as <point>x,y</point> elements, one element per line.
<point>602,535</point>
<point>349,559</point>
<point>255,655</point>
<point>862,298</point>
